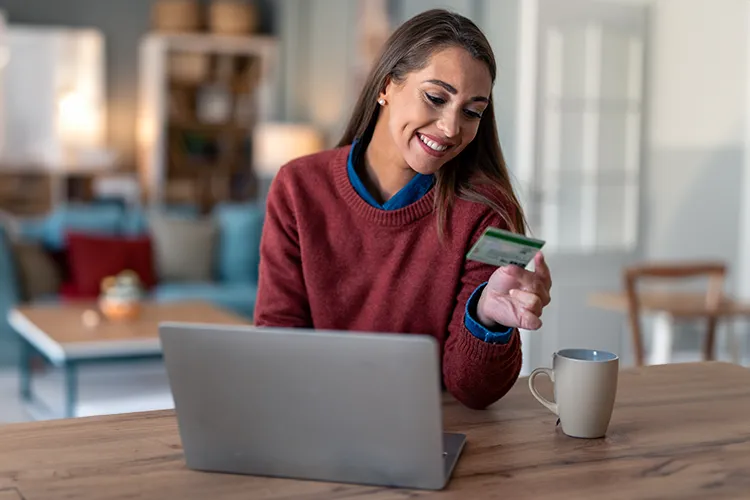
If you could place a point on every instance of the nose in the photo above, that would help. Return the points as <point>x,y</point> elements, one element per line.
<point>449,124</point>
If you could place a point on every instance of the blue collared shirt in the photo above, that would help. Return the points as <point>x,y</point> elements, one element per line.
<point>412,192</point>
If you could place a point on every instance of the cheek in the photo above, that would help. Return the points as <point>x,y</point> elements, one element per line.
<point>471,129</point>
<point>404,121</point>
<point>468,134</point>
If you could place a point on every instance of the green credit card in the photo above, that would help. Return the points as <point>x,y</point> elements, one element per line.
<point>499,248</point>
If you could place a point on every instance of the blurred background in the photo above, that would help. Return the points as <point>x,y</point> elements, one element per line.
<point>624,124</point>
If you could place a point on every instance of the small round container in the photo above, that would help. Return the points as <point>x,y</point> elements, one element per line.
<point>232,17</point>
<point>176,16</point>
<point>120,299</point>
<point>190,68</point>
<point>119,309</point>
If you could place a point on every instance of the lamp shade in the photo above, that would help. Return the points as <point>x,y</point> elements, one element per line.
<point>275,144</point>
<point>54,95</point>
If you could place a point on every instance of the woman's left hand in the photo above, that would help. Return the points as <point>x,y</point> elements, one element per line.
<point>515,297</point>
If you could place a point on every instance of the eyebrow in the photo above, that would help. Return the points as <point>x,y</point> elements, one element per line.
<point>452,90</point>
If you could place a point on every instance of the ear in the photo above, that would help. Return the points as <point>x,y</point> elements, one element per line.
<point>387,88</point>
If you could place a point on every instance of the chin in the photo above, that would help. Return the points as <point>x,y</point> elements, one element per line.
<point>422,162</point>
<point>424,168</point>
<point>425,165</point>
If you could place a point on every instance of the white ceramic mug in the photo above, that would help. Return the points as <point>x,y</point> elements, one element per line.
<point>585,384</point>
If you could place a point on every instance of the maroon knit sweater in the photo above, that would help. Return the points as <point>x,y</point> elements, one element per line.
<point>331,261</point>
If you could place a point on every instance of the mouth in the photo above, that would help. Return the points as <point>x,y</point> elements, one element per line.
<point>432,145</point>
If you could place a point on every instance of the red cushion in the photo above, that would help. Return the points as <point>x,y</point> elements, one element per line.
<point>94,257</point>
<point>69,292</point>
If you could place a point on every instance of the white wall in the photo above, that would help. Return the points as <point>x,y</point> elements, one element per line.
<point>696,129</point>
<point>318,50</point>
<point>4,57</point>
<point>743,285</point>
<point>743,271</point>
<point>698,73</point>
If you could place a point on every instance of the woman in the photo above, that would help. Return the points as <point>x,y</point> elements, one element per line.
<point>372,236</point>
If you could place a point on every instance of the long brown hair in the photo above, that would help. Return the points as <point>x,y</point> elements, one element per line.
<point>479,172</point>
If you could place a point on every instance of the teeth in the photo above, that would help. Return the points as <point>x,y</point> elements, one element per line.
<point>433,145</point>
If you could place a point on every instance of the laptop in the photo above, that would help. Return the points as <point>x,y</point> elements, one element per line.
<point>308,404</point>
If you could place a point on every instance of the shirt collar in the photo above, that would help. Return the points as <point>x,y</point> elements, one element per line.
<point>416,188</point>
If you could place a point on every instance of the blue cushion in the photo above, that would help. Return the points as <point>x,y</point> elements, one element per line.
<point>134,222</point>
<point>236,297</point>
<point>238,251</point>
<point>96,219</point>
<point>32,229</point>
<point>187,210</point>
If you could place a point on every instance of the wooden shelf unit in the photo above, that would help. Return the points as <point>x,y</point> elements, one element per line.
<point>200,97</point>
<point>32,189</point>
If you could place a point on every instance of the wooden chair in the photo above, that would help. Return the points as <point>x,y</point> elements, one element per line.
<point>693,305</point>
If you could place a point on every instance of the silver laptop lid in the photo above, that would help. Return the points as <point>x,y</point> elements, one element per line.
<point>336,406</point>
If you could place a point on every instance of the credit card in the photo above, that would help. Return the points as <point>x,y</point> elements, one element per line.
<point>499,248</point>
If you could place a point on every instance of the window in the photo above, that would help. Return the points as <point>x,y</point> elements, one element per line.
<point>585,192</point>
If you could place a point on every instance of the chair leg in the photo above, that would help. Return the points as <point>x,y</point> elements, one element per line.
<point>708,346</point>
<point>734,343</point>
<point>637,347</point>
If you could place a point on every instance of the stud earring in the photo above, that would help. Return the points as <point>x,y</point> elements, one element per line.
<point>381,102</point>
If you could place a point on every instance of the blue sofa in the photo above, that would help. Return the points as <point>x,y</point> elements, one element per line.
<point>235,260</point>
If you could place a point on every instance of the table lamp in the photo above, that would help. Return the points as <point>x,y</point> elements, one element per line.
<point>276,143</point>
<point>54,97</point>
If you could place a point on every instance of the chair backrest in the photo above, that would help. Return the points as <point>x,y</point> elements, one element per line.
<point>714,272</point>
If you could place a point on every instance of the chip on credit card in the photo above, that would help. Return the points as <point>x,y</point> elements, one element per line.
<point>499,248</point>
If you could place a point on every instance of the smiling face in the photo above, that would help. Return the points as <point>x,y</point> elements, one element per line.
<point>434,113</point>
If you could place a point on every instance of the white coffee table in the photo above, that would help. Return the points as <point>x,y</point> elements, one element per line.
<point>58,333</point>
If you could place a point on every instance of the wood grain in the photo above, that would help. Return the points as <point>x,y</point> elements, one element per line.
<point>678,431</point>
<point>63,323</point>
<point>10,494</point>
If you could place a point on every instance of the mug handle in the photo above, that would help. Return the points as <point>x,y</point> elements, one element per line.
<point>548,404</point>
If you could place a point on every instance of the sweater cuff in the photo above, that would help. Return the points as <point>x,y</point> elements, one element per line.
<point>499,335</point>
<point>484,353</point>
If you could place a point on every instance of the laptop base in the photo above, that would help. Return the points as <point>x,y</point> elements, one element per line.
<point>453,445</point>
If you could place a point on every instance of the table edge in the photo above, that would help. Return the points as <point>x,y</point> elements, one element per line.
<point>617,301</point>
<point>61,353</point>
<point>36,336</point>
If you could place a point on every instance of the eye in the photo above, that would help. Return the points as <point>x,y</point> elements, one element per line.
<point>434,99</point>
<point>473,114</point>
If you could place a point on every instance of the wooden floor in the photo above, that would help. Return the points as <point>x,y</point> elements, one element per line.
<point>103,390</point>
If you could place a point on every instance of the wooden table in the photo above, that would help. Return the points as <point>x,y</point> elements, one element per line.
<point>678,431</point>
<point>677,304</point>
<point>58,333</point>
<point>667,308</point>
